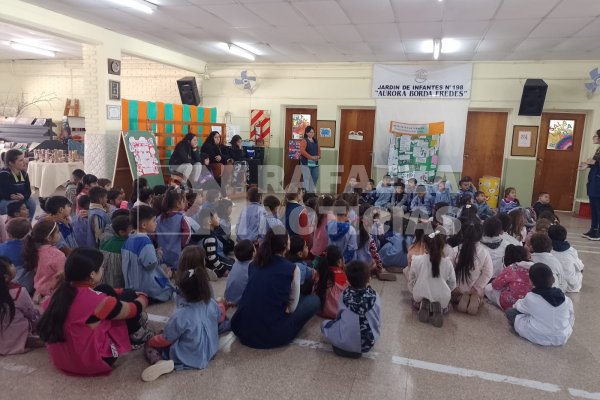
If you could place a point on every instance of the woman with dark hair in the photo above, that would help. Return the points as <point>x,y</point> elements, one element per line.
<point>14,182</point>
<point>235,151</point>
<point>186,159</point>
<point>593,189</point>
<point>310,153</point>
<point>271,313</point>
<point>236,175</point>
<point>213,148</point>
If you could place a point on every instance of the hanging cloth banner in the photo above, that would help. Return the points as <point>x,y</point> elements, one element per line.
<point>422,81</point>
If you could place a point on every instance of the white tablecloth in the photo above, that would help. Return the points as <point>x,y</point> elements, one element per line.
<point>48,176</point>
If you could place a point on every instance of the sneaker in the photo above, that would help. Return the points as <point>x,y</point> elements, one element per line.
<point>474,303</point>
<point>593,236</point>
<point>141,336</point>
<point>160,368</point>
<point>143,320</point>
<point>588,233</point>
<point>436,319</point>
<point>395,270</point>
<point>463,303</point>
<point>424,310</point>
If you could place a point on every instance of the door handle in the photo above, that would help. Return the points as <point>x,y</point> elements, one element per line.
<point>540,159</point>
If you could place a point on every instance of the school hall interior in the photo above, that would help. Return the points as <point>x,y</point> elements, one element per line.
<point>511,83</point>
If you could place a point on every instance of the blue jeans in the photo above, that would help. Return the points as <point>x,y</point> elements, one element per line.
<point>31,206</point>
<point>310,184</point>
<point>307,308</point>
<point>595,208</point>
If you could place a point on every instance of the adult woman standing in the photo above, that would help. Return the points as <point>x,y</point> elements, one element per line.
<point>310,153</point>
<point>14,182</point>
<point>186,159</point>
<point>271,313</point>
<point>593,189</point>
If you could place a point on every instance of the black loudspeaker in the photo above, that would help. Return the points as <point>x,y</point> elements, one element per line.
<point>532,100</point>
<point>188,90</point>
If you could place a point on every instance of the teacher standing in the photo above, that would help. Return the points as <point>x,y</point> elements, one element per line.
<point>310,153</point>
<point>14,182</point>
<point>593,189</point>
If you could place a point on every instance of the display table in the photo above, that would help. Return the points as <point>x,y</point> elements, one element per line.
<point>48,176</point>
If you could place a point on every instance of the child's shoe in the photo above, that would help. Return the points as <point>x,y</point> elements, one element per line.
<point>436,319</point>
<point>160,368</point>
<point>424,310</point>
<point>474,303</point>
<point>141,336</point>
<point>463,303</point>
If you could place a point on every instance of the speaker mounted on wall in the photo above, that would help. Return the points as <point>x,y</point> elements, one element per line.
<point>534,95</point>
<point>188,91</point>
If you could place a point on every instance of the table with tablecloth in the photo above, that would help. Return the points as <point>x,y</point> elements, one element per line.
<point>48,176</point>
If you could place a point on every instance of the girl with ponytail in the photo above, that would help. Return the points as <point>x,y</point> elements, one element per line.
<point>84,325</point>
<point>41,255</point>
<point>18,316</point>
<point>331,281</point>
<point>474,269</point>
<point>173,231</point>
<point>431,280</point>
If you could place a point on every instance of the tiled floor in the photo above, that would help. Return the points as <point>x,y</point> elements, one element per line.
<point>481,345</point>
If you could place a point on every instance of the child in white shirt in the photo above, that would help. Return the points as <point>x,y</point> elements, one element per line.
<point>572,266</point>
<point>545,316</point>
<point>541,247</point>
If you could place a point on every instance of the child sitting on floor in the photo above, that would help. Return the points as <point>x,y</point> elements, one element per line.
<point>97,216</point>
<point>357,325</point>
<point>483,209</point>
<point>367,247</point>
<point>545,316</point>
<point>216,259</point>
<point>431,280</point>
<point>87,182</point>
<point>295,216</point>
<point>572,266</point>
<point>59,210</point>
<point>506,228</point>
<point>330,281</point>
<point>518,230</point>
<point>251,217</point>
<point>541,247</point>
<point>442,195</point>
<point>384,192</point>
<point>543,204</point>
<point>238,276</point>
<point>111,250</point>
<point>191,338</point>
<point>492,229</point>
<point>474,269</point>
<point>297,255</point>
<point>421,203</point>
<point>465,186</point>
<point>512,283</point>
<point>71,189</point>
<point>17,230</point>
<point>341,233</point>
<point>510,201</point>
<point>141,268</point>
<point>173,232</point>
<point>18,315</point>
<point>271,205</point>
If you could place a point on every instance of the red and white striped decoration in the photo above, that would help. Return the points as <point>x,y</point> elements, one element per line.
<point>262,119</point>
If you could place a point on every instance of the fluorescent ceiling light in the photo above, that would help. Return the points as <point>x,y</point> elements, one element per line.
<point>249,47</point>
<point>32,49</point>
<point>437,43</point>
<point>236,50</point>
<point>450,45</point>
<point>139,5</point>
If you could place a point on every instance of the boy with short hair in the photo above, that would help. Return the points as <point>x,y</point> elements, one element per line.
<point>251,217</point>
<point>341,233</point>
<point>541,248</point>
<point>400,199</point>
<point>465,186</point>
<point>97,215</point>
<point>212,195</point>
<point>238,276</point>
<point>442,195</point>
<point>114,197</point>
<point>111,249</point>
<point>545,316</point>
<point>17,209</point>
<point>141,269</point>
<point>71,192</point>
<point>369,194</point>
<point>297,254</point>
<point>492,229</point>
<point>358,323</point>
<point>271,204</point>
<point>483,209</point>
<point>572,266</point>
<point>59,209</point>
<point>543,204</point>
<point>384,192</point>
<point>17,229</point>
<point>421,202</point>
<point>216,259</point>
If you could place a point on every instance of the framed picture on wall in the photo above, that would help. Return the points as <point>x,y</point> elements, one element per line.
<point>114,90</point>
<point>524,140</point>
<point>326,133</point>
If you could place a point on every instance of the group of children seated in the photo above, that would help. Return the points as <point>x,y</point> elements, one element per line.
<point>94,261</point>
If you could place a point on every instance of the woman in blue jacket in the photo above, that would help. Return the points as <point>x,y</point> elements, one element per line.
<point>593,189</point>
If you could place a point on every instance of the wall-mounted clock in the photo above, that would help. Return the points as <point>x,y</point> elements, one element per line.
<point>114,67</point>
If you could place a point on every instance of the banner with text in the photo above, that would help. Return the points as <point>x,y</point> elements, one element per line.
<point>422,81</point>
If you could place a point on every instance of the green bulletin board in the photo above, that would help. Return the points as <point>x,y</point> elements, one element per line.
<point>414,156</point>
<point>137,156</point>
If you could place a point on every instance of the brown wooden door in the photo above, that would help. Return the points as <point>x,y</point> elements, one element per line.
<point>556,170</point>
<point>484,144</point>
<point>290,165</point>
<point>356,156</point>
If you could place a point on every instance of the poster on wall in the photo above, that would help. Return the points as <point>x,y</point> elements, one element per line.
<point>294,149</point>
<point>560,136</point>
<point>422,81</point>
<point>299,123</point>
<point>260,126</point>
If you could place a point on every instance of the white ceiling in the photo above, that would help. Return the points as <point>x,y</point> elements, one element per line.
<point>356,30</point>
<point>65,49</point>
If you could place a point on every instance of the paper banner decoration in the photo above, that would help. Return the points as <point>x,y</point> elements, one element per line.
<point>401,128</point>
<point>260,125</point>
